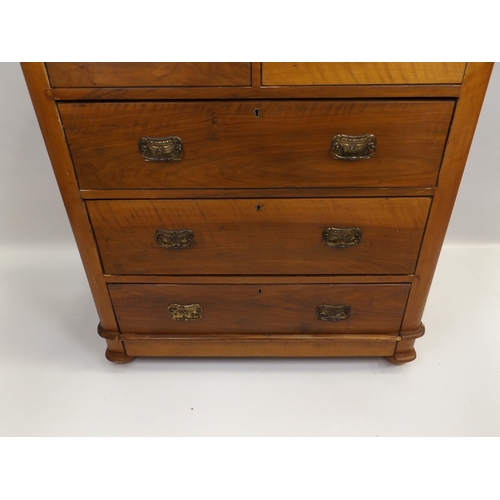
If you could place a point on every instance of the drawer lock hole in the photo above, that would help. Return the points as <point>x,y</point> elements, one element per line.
<point>256,112</point>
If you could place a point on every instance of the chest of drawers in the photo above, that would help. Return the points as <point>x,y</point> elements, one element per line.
<point>258,209</point>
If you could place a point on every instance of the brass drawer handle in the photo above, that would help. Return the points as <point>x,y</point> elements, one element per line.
<point>160,148</point>
<point>184,312</point>
<point>354,147</point>
<point>174,240</point>
<point>342,238</point>
<point>327,312</point>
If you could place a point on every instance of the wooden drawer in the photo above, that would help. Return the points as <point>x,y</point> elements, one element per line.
<point>375,73</point>
<point>256,144</point>
<point>156,309</point>
<point>243,345</point>
<point>161,74</point>
<point>271,236</point>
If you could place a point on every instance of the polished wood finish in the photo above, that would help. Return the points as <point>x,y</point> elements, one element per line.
<point>258,279</point>
<point>266,346</point>
<point>169,74</point>
<point>405,351</point>
<point>345,73</point>
<point>188,194</point>
<point>256,75</point>
<point>277,236</point>
<point>190,337</point>
<point>246,144</point>
<point>118,357</point>
<point>259,308</point>
<point>258,189</point>
<point>256,92</point>
<point>401,358</point>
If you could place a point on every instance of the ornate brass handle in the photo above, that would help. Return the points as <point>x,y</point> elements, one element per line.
<point>160,148</point>
<point>354,147</point>
<point>342,238</point>
<point>184,312</point>
<point>174,240</point>
<point>327,312</point>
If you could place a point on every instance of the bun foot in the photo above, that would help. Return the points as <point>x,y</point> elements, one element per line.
<point>400,358</point>
<point>118,357</point>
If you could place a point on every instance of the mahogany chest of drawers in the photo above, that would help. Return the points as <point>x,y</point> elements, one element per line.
<point>258,209</point>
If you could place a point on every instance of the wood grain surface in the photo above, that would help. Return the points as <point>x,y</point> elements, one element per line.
<point>275,236</point>
<point>186,194</point>
<point>227,146</point>
<point>108,74</point>
<point>268,346</point>
<point>255,92</point>
<point>259,308</point>
<point>348,73</point>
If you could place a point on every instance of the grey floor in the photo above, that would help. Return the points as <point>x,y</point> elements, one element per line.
<point>55,381</point>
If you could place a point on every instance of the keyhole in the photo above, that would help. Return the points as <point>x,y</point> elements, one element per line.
<point>259,208</point>
<point>256,112</point>
<point>260,292</point>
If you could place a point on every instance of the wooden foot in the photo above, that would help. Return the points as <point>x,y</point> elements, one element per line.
<point>400,358</point>
<point>118,357</point>
<point>404,350</point>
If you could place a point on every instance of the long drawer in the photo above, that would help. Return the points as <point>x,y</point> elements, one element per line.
<point>307,309</point>
<point>257,144</point>
<point>247,236</point>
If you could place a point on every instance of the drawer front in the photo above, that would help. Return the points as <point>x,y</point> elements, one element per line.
<point>257,144</point>
<point>161,74</point>
<point>308,309</point>
<point>375,73</point>
<point>272,236</point>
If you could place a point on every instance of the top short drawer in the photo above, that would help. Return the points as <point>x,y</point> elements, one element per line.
<point>375,73</point>
<point>256,144</point>
<point>166,74</point>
